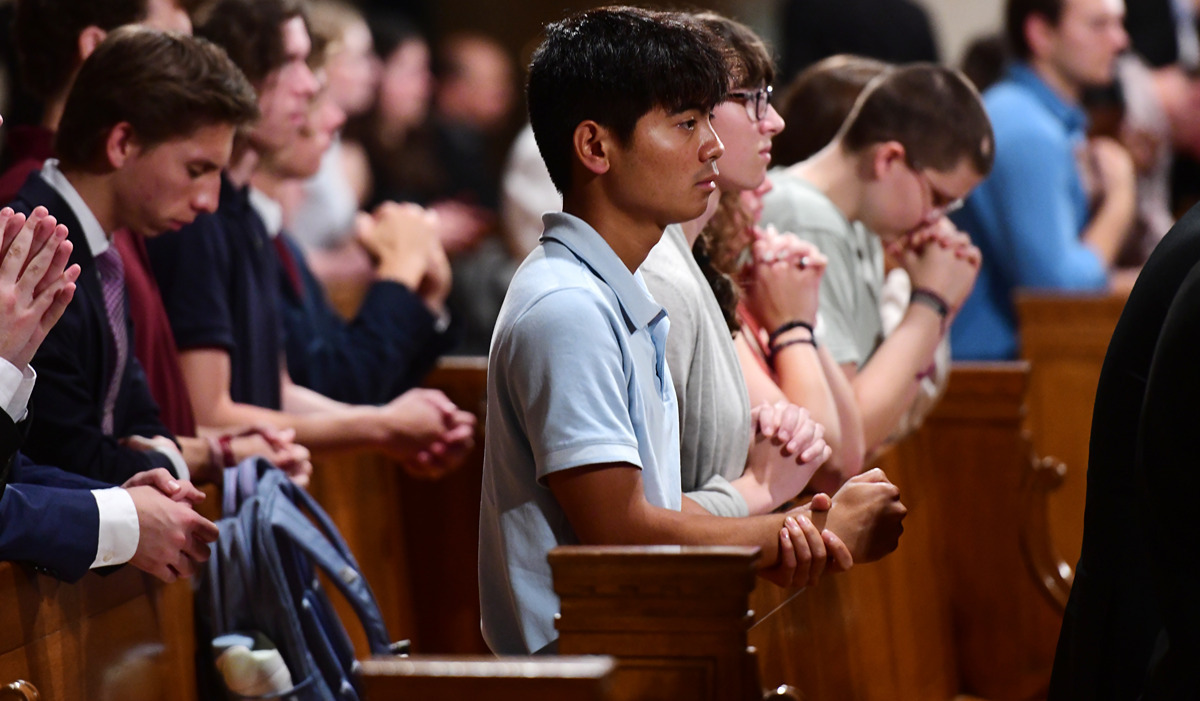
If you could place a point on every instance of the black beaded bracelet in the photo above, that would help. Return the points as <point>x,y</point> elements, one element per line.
<point>784,328</point>
<point>775,349</point>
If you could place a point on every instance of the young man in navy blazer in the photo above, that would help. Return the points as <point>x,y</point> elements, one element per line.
<point>62,523</point>
<point>145,132</point>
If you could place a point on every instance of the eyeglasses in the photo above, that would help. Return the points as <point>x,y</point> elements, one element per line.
<point>941,204</point>
<point>756,101</point>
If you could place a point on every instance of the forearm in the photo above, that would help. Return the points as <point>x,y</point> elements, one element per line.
<point>651,525</point>
<point>808,378</point>
<point>884,387</point>
<point>606,505</point>
<point>300,401</point>
<point>334,428</point>
<point>755,493</point>
<point>805,380</point>
<point>199,458</point>
<point>324,424</point>
<point>850,451</point>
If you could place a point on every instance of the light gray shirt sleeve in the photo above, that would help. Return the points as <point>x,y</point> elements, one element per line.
<point>701,476</point>
<point>836,329</point>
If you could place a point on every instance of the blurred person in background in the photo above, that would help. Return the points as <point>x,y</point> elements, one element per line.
<point>474,102</point>
<point>817,103</point>
<point>1031,218</point>
<point>399,329</point>
<point>53,38</point>
<point>896,31</point>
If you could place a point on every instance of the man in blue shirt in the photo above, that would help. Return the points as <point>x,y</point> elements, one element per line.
<point>1032,218</point>
<point>582,442</point>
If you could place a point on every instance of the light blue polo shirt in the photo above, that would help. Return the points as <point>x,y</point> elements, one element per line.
<point>577,376</point>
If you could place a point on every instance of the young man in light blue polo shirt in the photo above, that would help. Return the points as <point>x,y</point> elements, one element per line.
<point>582,441</point>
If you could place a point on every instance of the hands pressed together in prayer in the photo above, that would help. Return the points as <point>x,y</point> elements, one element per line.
<point>35,284</point>
<point>782,282</point>
<point>940,259</point>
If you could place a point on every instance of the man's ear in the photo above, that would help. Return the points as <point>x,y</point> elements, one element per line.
<point>1039,34</point>
<point>89,39</point>
<point>593,144</point>
<point>120,145</point>
<point>885,157</point>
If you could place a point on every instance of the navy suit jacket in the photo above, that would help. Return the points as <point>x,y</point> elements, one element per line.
<point>48,517</point>
<point>72,366</point>
<point>386,349</point>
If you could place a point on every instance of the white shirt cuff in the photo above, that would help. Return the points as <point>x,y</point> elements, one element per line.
<point>119,533</point>
<point>177,461</point>
<point>15,388</point>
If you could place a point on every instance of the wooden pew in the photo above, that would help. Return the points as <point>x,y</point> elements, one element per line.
<point>990,516</point>
<point>677,617</point>
<point>965,606</point>
<point>586,678</point>
<point>126,636</point>
<point>416,542</point>
<point>1064,338</point>
<point>959,609</point>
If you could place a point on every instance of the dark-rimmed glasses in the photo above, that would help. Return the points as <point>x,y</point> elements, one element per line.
<point>756,101</point>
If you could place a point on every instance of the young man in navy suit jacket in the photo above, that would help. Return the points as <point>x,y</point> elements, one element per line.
<point>63,523</point>
<point>146,129</point>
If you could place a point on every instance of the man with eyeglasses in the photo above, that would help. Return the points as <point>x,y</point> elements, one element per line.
<point>1034,218</point>
<point>915,143</point>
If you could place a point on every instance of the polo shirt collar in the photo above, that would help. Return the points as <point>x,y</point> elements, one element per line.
<point>589,247</point>
<point>93,233</point>
<point>1071,115</point>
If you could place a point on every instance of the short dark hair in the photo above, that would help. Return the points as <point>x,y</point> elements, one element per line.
<point>165,85</point>
<point>985,60</point>
<point>250,31</point>
<point>817,102</point>
<point>46,34</point>
<point>1018,12</point>
<point>748,60</point>
<point>390,30</point>
<point>613,65</point>
<point>933,111</point>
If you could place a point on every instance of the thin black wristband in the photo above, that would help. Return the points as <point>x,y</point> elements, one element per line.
<point>775,350</point>
<point>784,328</point>
<point>931,299</point>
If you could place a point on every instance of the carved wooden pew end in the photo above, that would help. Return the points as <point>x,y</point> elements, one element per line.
<point>587,678</point>
<point>677,618</point>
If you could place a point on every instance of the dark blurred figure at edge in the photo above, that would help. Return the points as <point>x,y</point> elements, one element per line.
<point>896,31</point>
